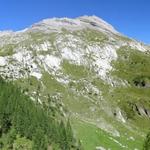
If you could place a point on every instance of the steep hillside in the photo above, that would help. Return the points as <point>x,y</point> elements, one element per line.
<point>96,77</point>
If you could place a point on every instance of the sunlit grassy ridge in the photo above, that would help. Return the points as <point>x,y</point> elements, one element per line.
<point>132,67</point>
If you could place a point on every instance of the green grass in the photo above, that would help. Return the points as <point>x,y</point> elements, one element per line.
<point>30,84</point>
<point>123,38</point>
<point>75,71</point>
<point>91,36</point>
<point>91,137</point>
<point>7,50</point>
<point>132,66</point>
<point>51,83</point>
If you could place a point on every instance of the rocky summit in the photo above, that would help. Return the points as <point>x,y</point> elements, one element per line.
<point>96,77</point>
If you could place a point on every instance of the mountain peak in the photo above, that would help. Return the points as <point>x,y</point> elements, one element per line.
<point>98,22</point>
<point>93,22</point>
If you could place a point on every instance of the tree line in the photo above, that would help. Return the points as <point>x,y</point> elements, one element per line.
<point>26,125</point>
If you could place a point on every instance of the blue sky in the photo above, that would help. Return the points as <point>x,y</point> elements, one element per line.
<point>130,17</point>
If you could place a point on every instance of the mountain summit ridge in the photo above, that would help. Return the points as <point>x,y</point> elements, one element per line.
<point>78,23</point>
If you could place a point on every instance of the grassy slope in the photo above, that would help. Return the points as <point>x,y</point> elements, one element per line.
<point>132,66</point>
<point>91,135</point>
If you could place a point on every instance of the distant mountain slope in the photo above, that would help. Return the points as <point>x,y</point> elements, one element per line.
<point>96,77</point>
